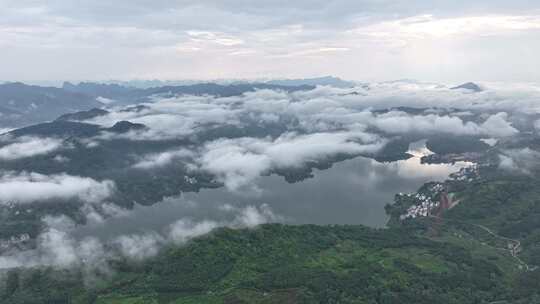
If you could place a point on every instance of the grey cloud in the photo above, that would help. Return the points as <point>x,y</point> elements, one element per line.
<point>152,39</point>
<point>272,11</point>
<point>537,125</point>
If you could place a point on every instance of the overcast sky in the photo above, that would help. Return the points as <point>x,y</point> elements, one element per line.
<point>435,40</point>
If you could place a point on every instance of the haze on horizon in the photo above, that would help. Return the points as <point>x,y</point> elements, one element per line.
<point>444,40</point>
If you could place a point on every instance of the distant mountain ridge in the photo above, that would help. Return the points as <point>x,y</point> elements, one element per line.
<point>23,105</point>
<point>324,81</point>
<point>135,95</point>
<point>82,115</point>
<point>314,81</point>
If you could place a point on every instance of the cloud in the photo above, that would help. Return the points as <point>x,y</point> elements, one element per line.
<point>5,130</point>
<point>490,141</point>
<point>524,161</point>
<point>183,230</point>
<point>60,245</point>
<point>314,125</point>
<point>139,246</point>
<point>237,162</point>
<point>180,39</point>
<point>428,26</point>
<point>29,146</point>
<point>498,126</point>
<point>402,123</point>
<point>251,216</point>
<point>57,247</point>
<point>31,187</point>
<point>537,125</point>
<point>168,118</point>
<point>327,109</point>
<point>161,159</point>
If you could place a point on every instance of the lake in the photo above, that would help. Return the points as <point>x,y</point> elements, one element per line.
<point>351,192</point>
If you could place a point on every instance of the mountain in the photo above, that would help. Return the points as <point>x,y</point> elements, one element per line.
<point>223,90</point>
<point>324,81</point>
<point>25,104</point>
<point>275,264</point>
<point>126,126</point>
<point>83,115</point>
<point>469,86</point>
<point>96,90</point>
<point>128,95</point>
<point>58,129</point>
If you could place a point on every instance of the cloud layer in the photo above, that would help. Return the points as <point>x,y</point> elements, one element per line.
<point>443,40</point>
<point>327,109</point>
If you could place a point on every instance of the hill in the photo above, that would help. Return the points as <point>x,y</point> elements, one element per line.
<point>24,104</point>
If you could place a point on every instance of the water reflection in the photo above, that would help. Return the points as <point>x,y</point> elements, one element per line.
<point>351,192</point>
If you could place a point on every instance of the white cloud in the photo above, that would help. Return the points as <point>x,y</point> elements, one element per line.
<point>60,245</point>
<point>4,130</point>
<point>29,146</point>
<point>429,26</point>
<point>168,118</point>
<point>139,246</point>
<point>537,125</point>
<point>161,159</point>
<point>402,123</point>
<point>30,187</point>
<point>356,39</point>
<point>183,230</point>
<point>497,126</point>
<point>57,247</point>
<point>251,216</point>
<point>524,161</point>
<point>104,100</point>
<point>490,141</point>
<point>327,109</point>
<point>237,162</point>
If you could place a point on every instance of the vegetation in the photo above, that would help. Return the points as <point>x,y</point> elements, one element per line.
<point>455,144</point>
<point>282,264</point>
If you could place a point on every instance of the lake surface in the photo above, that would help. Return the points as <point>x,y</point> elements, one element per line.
<point>351,192</point>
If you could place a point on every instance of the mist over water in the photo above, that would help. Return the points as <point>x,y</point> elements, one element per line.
<point>351,192</point>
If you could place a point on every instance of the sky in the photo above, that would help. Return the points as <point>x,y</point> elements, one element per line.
<point>446,41</point>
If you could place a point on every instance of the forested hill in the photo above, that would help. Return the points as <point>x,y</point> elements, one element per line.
<point>284,264</point>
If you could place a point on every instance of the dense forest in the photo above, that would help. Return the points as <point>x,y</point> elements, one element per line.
<point>283,264</point>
